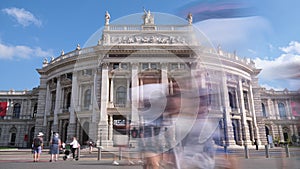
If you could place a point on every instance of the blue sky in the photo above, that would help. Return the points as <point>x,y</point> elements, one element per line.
<point>266,31</point>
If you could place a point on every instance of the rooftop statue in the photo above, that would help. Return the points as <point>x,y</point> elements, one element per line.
<point>107,18</point>
<point>45,61</point>
<point>78,47</point>
<point>148,17</point>
<point>190,18</point>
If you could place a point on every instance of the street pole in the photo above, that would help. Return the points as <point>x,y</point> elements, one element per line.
<point>100,147</point>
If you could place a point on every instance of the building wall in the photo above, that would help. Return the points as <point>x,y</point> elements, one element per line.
<point>18,124</point>
<point>92,93</point>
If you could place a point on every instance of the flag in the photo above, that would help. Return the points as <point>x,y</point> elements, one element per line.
<point>215,9</point>
<point>3,107</point>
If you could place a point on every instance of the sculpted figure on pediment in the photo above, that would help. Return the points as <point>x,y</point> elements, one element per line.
<point>130,40</point>
<point>148,17</point>
<point>161,39</point>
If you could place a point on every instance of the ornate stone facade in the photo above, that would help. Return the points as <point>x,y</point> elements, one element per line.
<point>93,92</point>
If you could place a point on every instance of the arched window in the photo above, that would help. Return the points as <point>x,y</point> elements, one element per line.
<point>281,110</point>
<point>13,135</point>
<point>264,112</point>
<point>232,100</point>
<point>68,100</point>
<point>34,110</point>
<point>16,110</point>
<point>121,96</point>
<point>87,99</point>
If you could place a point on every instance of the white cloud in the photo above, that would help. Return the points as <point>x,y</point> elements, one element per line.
<point>21,51</point>
<point>23,17</point>
<point>252,51</point>
<point>284,70</point>
<point>294,48</point>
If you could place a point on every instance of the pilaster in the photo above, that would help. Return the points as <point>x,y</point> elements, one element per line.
<point>228,134</point>
<point>244,125</point>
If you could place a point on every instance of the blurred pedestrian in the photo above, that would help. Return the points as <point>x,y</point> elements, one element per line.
<point>55,145</point>
<point>75,146</point>
<point>37,146</point>
<point>91,145</point>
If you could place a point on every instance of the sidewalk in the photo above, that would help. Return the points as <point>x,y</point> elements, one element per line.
<point>22,159</point>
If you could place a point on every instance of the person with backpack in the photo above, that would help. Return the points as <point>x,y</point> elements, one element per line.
<point>55,145</point>
<point>37,146</point>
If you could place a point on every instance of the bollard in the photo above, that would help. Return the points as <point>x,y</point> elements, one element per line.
<point>267,151</point>
<point>120,153</point>
<point>99,153</point>
<point>78,153</point>
<point>246,151</point>
<point>287,150</point>
<point>225,151</point>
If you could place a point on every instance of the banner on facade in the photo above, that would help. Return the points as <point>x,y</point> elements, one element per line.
<point>295,108</point>
<point>3,107</point>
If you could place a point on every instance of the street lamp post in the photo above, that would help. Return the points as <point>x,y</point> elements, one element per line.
<point>100,147</point>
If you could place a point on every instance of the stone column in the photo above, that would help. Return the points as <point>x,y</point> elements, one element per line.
<point>141,94</point>
<point>228,133</point>
<point>280,133</point>
<point>95,110</point>
<point>111,129</point>
<point>237,101</point>
<point>22,109</point>
<point>255,128</point>
<point>135,94</point>
<point>245,134</point>
<point>57,105</point>
<point>111,99</point>
<point>103,122</point>
<point>48,104</point>
<point>73,107</point>
<point>276,109</point>
<point>288,109</point>
<point>164,76</point>
<point>171,87</point>
<point>128,93</point>
<point>269,109</point>
<point>40,122</point>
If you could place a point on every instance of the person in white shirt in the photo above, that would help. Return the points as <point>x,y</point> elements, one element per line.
<point>75,145</point>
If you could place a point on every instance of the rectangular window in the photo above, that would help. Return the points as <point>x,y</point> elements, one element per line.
<point>124,66</point>
<point>145,66</point>
<point>53,98</point>
<point>182,66</point>
<point>246,103</point>
<point>174,66</point>
<point>115,65</point>
<point>153,66</point>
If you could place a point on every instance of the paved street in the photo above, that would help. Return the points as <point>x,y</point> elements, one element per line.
<point>22,159</point>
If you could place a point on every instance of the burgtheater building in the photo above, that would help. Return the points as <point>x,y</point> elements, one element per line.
<point>97,92</point>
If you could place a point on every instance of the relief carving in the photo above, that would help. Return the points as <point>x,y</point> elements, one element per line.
<point>142,39</point>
